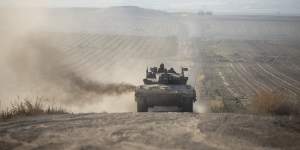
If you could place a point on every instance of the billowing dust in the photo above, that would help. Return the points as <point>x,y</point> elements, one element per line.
<point>31,68</point>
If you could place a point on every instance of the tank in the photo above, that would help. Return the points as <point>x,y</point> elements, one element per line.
<point>165,87</point>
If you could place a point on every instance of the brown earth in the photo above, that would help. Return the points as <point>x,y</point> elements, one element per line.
<point>151,131</point>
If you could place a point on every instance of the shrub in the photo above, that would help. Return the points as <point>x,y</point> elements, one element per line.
<point>216,106</point>
<point>276,103</point>
<point>27,108</point>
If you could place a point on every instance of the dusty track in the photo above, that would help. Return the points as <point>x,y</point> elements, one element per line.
<point>151,131</point>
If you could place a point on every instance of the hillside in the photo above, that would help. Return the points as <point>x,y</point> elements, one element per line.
<point>147,22</point>
<point>129,20</point>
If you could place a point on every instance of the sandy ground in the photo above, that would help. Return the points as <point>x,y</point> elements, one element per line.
<point>151,131</point>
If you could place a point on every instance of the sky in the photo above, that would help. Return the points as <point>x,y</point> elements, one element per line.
<point>226,6</point>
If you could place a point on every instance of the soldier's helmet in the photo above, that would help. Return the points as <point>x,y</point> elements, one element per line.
<point>162,66</point>
<point>171,70</point>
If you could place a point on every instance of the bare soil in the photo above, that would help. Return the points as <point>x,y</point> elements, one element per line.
<point>151,131</point>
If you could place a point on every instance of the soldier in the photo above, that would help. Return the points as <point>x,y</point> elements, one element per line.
<point>172,70</point>
<point>161,68</point>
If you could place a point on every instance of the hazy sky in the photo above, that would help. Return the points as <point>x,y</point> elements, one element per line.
<point>230,6</point>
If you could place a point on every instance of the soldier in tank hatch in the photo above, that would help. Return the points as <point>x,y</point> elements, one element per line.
<point>161,68</point>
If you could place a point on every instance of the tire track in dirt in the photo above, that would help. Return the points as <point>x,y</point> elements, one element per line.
<point>227,85</point>
<point>282,75</point>
<point>253,88</point>
<point>248,74</point>
<point>279,81</point>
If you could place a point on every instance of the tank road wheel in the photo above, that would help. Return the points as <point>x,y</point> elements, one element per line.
<point>187,106</point>
<point>142,106</point>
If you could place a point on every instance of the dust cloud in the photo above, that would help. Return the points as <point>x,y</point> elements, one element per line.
<point>31,67</point>
<point>98,88</point>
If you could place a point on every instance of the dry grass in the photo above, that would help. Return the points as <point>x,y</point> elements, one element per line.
<point>217,106</point>
<point>276,103</point>
<point>28,108</point>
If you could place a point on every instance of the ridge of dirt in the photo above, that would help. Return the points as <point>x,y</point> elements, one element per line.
<point>151,131</point>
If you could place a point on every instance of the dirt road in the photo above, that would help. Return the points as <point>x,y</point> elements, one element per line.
<point>151,131</point>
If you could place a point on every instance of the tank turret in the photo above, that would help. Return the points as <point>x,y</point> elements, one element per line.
<point>164,76</point>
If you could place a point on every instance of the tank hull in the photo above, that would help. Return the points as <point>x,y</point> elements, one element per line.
<point>162,99</point>
<point>165,95</point>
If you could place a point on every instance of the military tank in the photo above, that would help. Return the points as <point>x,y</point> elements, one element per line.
<point>163,87</point>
